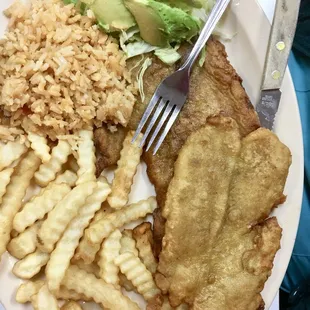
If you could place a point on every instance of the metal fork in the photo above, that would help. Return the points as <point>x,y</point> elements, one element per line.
<point>172,91</point>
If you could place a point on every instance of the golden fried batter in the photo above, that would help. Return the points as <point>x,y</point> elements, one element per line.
<point>108,147</point>
<point>144,229</point>
<point>238,269</point>
<point>222,187</point>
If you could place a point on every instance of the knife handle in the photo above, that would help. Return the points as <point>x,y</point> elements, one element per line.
<point>280,42</point>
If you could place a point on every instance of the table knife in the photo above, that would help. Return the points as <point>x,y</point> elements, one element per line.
<point>279,47</point>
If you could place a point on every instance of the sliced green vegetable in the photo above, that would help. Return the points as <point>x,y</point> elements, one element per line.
<point>160,23</point>
<point>112,15</point>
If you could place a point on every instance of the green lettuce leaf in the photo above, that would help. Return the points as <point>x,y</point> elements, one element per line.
<point>168,55</point>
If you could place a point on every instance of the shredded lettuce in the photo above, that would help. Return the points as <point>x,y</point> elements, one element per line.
<point>203,14</point>
<point>202,57</point>
<point>138,48</point>
<point>126,35</point>
<point>137,64</point>
<point>132,44</point>
<point>168,55</point>
<point>147,62</point>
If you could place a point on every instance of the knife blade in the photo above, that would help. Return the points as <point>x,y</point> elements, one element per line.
<point>279,47</point>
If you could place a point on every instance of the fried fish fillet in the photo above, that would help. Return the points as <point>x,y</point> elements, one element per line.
<point>108,147</point>
<point>236,280</point>
<point>217,242</point>
<point>214,89</point>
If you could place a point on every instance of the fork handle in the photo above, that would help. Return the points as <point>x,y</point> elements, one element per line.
<point>215,15</point>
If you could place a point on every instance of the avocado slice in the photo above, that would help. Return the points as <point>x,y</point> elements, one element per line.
<point>150,23</point>
<point>161,24</point>
<point>112,15</point>
<point>185,5</point>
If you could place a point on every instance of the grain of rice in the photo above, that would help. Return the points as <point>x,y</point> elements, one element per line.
<point>59,72</point>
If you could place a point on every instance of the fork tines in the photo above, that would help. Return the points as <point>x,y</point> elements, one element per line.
<point>163,110</point>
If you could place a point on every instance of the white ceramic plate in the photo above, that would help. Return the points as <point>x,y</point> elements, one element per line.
<point>246,51</point>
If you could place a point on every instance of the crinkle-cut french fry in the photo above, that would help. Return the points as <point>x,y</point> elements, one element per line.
<point>47,171</point>
<point>125,172</point>
<point>90,268</point>
<point>72,164</point>
<point>40,147</point>
<point>30,265</point>
<point>64,251</point>
<point>135,271</point>
<point>31,288</point>
<point>68,177</point>
<point>125,283</point>
<point>25,243</point>
<point>104,211</point>
<point>5,177</point>
<point>86,157</point>
<point>15,192</point>
<point>102,228</point>
<point>128,244</point>
<point>86,251</point>
<point>28,289</point>
<point>9,152</point>
<point>100,214</point>
<point>44,300</point>
<point>100,291</point>
<point>44,201</point>
<point>71,305</point>
<point>109,251</point>
<point>144,238</point>
<point>67,294</point>
<point>40,205</point>
<point>64,211</point>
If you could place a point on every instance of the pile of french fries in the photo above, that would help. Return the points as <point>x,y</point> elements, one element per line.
<point>72,230</point>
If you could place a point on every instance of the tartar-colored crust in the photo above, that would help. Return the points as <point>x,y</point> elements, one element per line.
<point>217,240</point>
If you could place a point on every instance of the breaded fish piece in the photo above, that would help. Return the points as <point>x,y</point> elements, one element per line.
<point>196,202</point>
<point>108,147</point>
<point>222,187</point>
<point>238,269</point>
